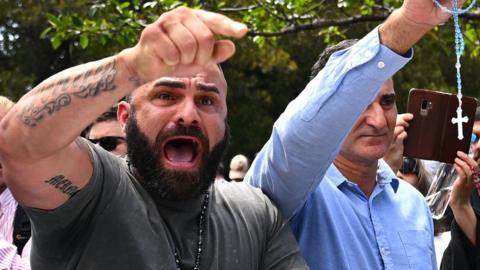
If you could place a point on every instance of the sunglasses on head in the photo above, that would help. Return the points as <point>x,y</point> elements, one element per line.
<point>409,166</point>
<point>474,138</point>
<point>108,143</point>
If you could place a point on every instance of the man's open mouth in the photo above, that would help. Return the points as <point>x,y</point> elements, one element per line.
<point>182,152</point>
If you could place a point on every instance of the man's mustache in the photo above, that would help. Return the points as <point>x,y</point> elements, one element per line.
<point>188,130</point>
<point>183,130</point>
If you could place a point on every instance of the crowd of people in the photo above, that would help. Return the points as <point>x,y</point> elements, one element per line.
<point>139,183</point>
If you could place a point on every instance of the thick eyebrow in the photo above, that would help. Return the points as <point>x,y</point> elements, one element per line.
<point>182,85</point>
<point>170,84</point>
<point>207,88</point>
<point>389,96</point>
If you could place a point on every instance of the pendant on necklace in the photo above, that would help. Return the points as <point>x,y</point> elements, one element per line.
<point>459,120</point>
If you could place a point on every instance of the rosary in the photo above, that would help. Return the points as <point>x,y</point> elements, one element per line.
<point>459,48</point>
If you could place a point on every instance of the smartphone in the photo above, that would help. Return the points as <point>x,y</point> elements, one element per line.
<point>431,134</point>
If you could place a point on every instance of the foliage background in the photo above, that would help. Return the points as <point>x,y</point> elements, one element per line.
<point>38,39</point>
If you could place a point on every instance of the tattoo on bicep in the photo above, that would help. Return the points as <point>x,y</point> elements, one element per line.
<point>63,184</point>
<point>89,84</point>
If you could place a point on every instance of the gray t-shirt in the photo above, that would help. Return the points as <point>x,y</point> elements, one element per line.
<point>112,223</point>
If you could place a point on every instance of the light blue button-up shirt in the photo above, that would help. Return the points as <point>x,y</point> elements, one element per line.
<point>336,225</point>
<point>340,228</point>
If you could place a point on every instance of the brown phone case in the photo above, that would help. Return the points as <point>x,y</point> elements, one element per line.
<point>431,134</point>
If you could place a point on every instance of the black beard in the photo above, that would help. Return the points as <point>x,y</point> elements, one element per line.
<point>161,182</point>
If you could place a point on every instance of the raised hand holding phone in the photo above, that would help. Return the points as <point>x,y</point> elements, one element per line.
<point>431,134</point>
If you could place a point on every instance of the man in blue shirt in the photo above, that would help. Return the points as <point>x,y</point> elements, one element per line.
<point>353,214</point>
<point>380,215</point>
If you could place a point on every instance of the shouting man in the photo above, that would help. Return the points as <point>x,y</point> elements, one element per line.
<point>157,209</point>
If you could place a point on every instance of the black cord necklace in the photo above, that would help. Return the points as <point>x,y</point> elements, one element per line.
<point>201,224</point>
<point>201,229</point>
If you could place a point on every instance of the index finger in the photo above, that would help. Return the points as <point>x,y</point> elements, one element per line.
<point>221,25</point>
<point>472,163</point>
<point>403,119</point>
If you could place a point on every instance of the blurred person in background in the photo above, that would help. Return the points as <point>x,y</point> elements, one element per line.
<point>107,132</point>
<point>220,175</point>
<point>14,224</point>
<point>456,229</point>
<point>238,168</point>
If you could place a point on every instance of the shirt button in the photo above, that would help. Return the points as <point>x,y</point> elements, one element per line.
<point>381,65</point>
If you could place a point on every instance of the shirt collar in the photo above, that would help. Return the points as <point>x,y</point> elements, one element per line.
<point>6,198</point>
<point>385,176</point>
<point>336,176</point>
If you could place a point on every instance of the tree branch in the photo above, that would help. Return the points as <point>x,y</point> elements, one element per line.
<point>471,16</point>
<point>237,9</point>
<point>319,23</point>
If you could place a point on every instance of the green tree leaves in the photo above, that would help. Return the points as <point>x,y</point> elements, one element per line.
<point>269,69</point>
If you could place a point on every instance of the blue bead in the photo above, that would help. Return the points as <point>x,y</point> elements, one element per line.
<point>459,41</point>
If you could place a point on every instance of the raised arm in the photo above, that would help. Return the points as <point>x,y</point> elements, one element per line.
<point>463,251</point>
<point>460,197</point>
<point>43,161</point>
<point>308,135</point>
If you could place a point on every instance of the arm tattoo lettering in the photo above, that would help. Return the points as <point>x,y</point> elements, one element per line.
<point>89,84</point>
<point>104,84</point>
<point>63,184</point>
<point>33,115</point>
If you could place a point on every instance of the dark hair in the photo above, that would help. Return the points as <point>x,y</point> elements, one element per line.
<point>477,112</point>
<point>221,171</point>
<point>325,55</point>
<point>109,115</point>
<point>424,182</point>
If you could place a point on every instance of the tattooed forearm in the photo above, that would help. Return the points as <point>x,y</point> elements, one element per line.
<point>63,184</point>
<point>103,84</point>
<point>89,84</point>
<point>32,115</point>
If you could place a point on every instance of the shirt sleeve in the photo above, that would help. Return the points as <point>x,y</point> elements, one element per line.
<point>432,237</point>
<point>282,251</point>
<point>9,259</point>
<point>307,136</point>
<point>52,230</point>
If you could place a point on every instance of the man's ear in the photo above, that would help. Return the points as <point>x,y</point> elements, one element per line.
<point>123,112</point>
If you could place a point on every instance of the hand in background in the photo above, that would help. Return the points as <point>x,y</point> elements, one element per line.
<point>394,155</point>
<point>460,197</point>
